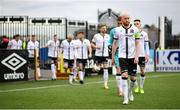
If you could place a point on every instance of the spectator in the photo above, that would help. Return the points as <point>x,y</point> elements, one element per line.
<point>15,43</point>
<point>4,42</point>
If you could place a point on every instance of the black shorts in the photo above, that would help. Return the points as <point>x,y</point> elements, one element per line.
<point>127,65</point>
<point>52,60</point>
<point>82,61</point>
<point>141,61</point>
<point>100,59</point>
<point>70,63</point>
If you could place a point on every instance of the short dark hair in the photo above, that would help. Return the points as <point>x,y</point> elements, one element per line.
<point>17,35</point>
<point>137,20</point>
<point>33,36</point>
<point>80,32</point>
<point>101,25</point>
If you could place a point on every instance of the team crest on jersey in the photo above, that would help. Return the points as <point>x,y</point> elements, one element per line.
<point>132,31</point>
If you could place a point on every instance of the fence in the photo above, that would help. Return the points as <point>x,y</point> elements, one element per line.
<point>44,28</point>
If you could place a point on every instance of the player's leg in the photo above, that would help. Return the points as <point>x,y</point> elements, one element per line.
<point>81,76</point>
<point>75,70</point>
<point>39,71</point>
<point>136,89</point>
<point>125,91</point>
<point>53,68</point>
<point>142,76</point>
<point>66,66</point>
<point>105,73</point>
<point>124,76</point>
<point>132,71</point>
<point>71,65</point>
<point>118,76</point>
<point>84,64</point>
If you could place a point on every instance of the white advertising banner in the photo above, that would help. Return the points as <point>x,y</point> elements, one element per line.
<point>168,60</point>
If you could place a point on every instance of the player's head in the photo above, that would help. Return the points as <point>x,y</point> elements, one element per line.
<point>119,21</point>
<point>70,37</point>
<point>33,38</point>
<point>137,23</point>
<point>80,34</point>
<point>125,18</point>
<point>55,37</point>
<point>17,37</point>
<point>102,28</point>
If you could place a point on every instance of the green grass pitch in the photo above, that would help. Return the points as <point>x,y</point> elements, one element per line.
<point>162,91</point>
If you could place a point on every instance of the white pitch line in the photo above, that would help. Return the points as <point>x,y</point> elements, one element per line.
<point>46,87</point>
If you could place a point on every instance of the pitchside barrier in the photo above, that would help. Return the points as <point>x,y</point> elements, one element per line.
<point>13,65</point>
<point>163,61</point>
<point>60,71</point>
<point>168,60</point>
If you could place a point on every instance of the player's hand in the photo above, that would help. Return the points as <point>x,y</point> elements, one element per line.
<point>90,55</point>
<point>136,60</point>
<point>147,58</point>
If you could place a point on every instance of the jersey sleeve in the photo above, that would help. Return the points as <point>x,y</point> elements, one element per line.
<point>146,43</point>
<point>110,41</point>
<point>94,39</point>
<point>88,43</point>
<point>62,44</point>
<point>116,34</point>
<point>38,44</point>
<point>49,43</point>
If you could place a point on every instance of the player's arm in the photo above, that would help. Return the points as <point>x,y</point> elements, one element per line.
<point>114,46</point>
<point>90,50</point>
<point>48,44</point>
<point>93,43</point>
<point>61,47</point>
<point>138,48</point>
<point>146,48</point>
<point>111,39</point>
<point>75,51</point>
